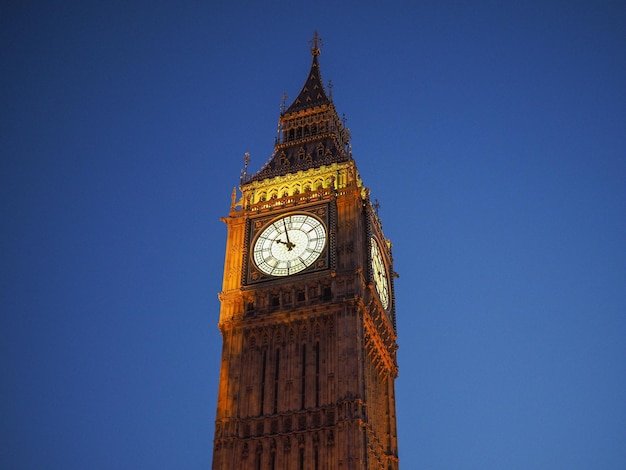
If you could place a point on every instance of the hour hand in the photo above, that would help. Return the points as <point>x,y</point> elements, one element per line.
<point>288,244</point>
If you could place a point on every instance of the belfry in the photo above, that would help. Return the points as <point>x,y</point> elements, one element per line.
<point>307,311</point>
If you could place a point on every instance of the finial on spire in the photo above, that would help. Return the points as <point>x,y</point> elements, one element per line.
<point>330,89</point>
<point>244,172</point>
<point>283,105</point>
<point>316,42</point>
<point>376,206</point>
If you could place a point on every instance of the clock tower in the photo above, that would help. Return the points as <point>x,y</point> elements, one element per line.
<point>307,307</point>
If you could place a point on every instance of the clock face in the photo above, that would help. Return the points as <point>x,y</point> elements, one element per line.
<point>289,244</point>
<point>379,273</point>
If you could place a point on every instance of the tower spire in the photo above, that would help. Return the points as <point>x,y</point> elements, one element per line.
<point>310,132</point>
<point>313,93</point>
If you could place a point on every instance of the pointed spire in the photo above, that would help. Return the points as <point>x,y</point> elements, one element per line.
<point>313,93</point>
<point>310,133</point>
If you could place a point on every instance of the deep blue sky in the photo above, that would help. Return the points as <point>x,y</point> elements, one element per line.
<point>493,133</point>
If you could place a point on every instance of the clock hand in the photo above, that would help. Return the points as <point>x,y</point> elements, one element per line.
<point>289,244</point>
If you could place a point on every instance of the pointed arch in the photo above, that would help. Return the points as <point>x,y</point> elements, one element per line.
<point>291,335</point>
<point>320,150</point>
<point>317,330</point>
<point>330,329</point>
<point>304,333</point>
<point>278,336</point>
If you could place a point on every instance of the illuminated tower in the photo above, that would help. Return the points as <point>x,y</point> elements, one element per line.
<point>307,307</point>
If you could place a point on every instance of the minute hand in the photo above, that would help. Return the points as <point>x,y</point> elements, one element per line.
<point>289,244</point>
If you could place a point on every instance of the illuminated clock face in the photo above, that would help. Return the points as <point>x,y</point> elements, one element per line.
<point>380,274</point>
<point>289,244</point>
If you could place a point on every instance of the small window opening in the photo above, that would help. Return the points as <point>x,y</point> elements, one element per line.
<point>327,293</point>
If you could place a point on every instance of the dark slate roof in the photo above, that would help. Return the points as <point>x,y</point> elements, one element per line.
<point>301,156</point>
<point>312,93</point>
<point>310,146</point>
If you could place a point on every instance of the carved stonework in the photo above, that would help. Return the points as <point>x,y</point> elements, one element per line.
<point>309,357</point>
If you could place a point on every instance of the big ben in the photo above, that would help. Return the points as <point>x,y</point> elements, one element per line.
<point>307,311</point>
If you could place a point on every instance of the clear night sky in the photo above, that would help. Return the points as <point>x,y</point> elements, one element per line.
<point>493,134</point>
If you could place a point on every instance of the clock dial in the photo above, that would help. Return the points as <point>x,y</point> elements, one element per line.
<point>289,244</point>
<point>379,273</point>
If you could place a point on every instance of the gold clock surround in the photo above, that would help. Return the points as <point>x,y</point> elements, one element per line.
<point>273,256</point>
<point>289,244</point>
